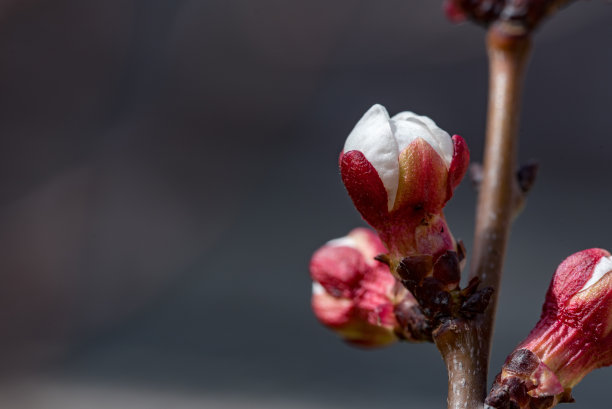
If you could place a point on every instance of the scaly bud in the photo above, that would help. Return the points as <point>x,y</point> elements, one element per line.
<point>572,338</point>
<point>400,172</point>
<point>356,296</point>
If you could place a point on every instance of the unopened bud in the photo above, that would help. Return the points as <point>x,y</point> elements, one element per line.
<point>572,338</point>
<point>356,296</point>
<point>400,172</point>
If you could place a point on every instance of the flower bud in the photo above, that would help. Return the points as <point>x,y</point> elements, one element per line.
<point>400,172</point>
<point>356,296</point>
<point>525,12</point>
<point>482,11</point>
<point>572,338</point>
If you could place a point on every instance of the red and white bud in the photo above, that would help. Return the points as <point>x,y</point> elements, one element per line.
<point>400,172</point>
<point>354,294</point>
<point>572,338</point>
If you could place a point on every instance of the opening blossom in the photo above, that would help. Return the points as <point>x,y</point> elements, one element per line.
<point>400,171</point>
<point>356,296</point>
<point>572,338</point>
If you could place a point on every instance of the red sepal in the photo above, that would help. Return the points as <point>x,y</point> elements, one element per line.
<point>364,187</point>
<point>459,164</point>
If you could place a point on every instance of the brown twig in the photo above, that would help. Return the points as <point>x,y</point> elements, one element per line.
<point>465,345</point>
<point>508,48</point>
<point>459,342</point>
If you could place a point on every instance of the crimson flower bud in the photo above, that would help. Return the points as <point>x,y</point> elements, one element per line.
<point>572,338</point>
<point>482,11</point>
<point>400,172</point>
<point>354,294</point>
<point>526,12</point>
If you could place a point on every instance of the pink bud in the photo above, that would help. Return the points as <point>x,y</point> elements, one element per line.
<point>400,172</point>
<point>572,338</point>
<point>354,294</point>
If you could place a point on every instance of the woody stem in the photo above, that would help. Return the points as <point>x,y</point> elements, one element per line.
<point>465,345</point>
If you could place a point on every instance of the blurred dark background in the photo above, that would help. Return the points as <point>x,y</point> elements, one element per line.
<point>167,168</point>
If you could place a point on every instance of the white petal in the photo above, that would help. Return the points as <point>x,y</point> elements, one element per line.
<point>373,137</point>
<point>409,126</point>
<point>343,241</point>
<point>603,267</point>
<point>317,288</point>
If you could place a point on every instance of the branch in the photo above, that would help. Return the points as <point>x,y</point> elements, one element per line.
<point>508,47</point>
<point>459,343</point>
<point>465,345</point>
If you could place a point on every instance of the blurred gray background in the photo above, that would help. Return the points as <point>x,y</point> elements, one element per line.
<point>168,167</point>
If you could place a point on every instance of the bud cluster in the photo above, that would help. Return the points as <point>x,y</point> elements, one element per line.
<point>399,171</point>
<point>402,282</point>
